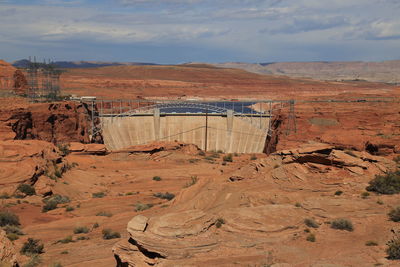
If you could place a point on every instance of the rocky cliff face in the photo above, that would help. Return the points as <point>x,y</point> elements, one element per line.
<point>250,216</point>
<point>60,122</point>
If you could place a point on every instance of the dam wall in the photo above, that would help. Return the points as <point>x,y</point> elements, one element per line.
<point>225,132</point>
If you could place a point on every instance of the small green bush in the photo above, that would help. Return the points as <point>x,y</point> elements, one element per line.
<point>140,207</point>
<point>109,234</point>
<point>371,243</point>
<point>311,223</point>
<point>26,189</point>
<point>99,195</point>
<point>81,230</point>
<point>393,247</point>
<point>64,149</point>
<point>156,178</point>
<point>5,196</point>
<point>385,184</point>
<point>394,214</point>
<point>32,246</point>
<point>166,195</point>
<point>66,240</point>
<point>58,199</point>
<point>56,264</point>
<point>201,153</point>
<point>69,208</point>
<point>12,236</point>
<point>13,229</point>
<point>104,214</point>
<point>298,205</point>
<point>253,157</point>
<point>193,181</point>
<point>364,195</point>
<point>311,238</point>
<point>8,218</point>
<point>64,252</point>
<point>96,225</point>
<point>338,193</point>
<point>219,222</point>
<point>228,158</point>
<point>342,224</point>
<point>34,261</point>
<point>50,205</point>
<point>83,238</point>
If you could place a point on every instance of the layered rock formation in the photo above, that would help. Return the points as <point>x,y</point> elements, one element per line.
<point>8,256</point>
<point>30,162</point>
<point>12,79</point>
<point>249,216</point>
<point>55,122</point>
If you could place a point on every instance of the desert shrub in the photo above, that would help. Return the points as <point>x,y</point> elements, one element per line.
<point>81,230</point>
<point>12,236</point>
<point>364,195</point>
<point>397,159</point>
<point>99,195</point>
<point>201,153</point>
<point>34,261</point>
<point>8,218</point>
<point>209,158</point>
<point>109,234</point>
<point>371,243</point>
<point>311,223</point>
<point>393,247</point>
<point>69,208</point>
<point>297,205</point>
<point>32,246</point>
<point>58,199</point>
<point>342,224</point>
<point>156,178</point>
<point>140,207</point>
<point>4,196</point>
<point>104,214</point>
<point>83,238</point>
<point>26,189</point>
<point>166,195</point>
<point>96,225</point>
<point>379,202</point>
<point>386,184</point>
<point>228,158</point>
<point>394,214</point>
<point>253,157</point>
<point>64,252</point>
<point>193,181</point>
<point>56,264</point>
<point>57,172</point>
<point>311,238</point>
<point>50,205</point>
<point>338,193</point>
<point>219,222</point>
<point>64,149</point>
<point>13,229</point>
<point>66,240</point>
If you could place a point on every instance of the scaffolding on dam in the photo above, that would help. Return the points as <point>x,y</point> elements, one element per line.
<point>212,125</point>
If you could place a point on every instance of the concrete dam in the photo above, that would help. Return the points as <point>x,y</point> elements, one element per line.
<point>211,127</point>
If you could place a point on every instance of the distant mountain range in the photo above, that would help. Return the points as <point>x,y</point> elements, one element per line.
<point>80,64</point>
<point>384,71</point>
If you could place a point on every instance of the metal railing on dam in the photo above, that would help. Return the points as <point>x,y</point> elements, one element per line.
<point>229,126</point>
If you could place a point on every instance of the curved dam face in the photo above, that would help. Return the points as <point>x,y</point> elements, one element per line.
<point>225,132</point>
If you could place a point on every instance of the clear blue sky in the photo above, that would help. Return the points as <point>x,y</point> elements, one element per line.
<point>177,31</point>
